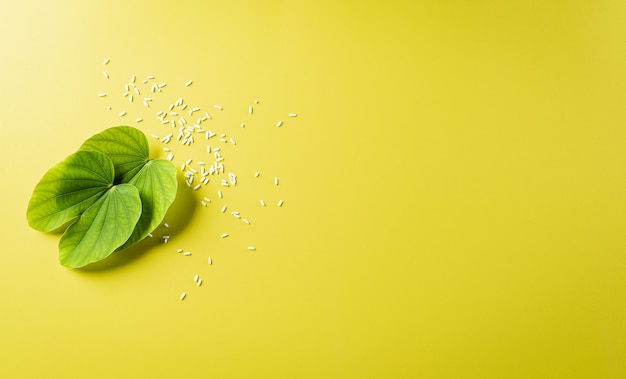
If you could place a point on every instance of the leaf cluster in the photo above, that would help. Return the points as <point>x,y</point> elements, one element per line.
<point>109,193</point>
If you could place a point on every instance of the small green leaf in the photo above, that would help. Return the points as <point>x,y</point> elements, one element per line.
<point>102,228</point>
<point>157,186</point>
<point>68,189</point>
<point>126,146</point>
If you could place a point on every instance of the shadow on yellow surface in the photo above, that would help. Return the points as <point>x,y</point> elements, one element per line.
<point>179,215</point>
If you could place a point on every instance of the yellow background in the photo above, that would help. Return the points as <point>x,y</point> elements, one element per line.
<point>454,190</point>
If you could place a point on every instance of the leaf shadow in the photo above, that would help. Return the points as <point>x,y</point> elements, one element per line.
<point>178,216</point>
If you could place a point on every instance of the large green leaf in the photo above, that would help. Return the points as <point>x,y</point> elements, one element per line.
<point>157,185</point>
<point>68,189</point>
<point>102,228</point>
<point>126,146</point>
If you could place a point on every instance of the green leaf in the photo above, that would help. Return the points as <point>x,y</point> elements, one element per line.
<point>126,146</point>
<point>102,228</point>
<point>157,186</point>
<point>68,189</point>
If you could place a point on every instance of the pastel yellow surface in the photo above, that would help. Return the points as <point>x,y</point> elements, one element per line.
<point>454,190</point>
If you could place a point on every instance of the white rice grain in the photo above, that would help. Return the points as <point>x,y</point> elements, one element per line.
<point>279,124</point>
<point>251,248</point>
<point>188,83</point>
<point>138,119</point>
<point>105,74</point>
<point>122,113</point>
<point>209,261</point>
<point>183,295</point>
<point>106,61</point>
<point>223,209</point>
<point>224,235</point>
<point>262,202</point>
<point>102,95</point>
<point>280,203</point>
<point>218,107</point>
<point>293,115</point>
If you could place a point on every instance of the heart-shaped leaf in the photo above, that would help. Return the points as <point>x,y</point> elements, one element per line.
<point>126,146</point>
<point>68,189</point>
<point>156,182</point>
<point>102,228</point>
